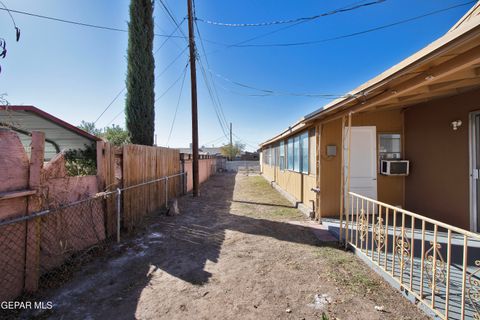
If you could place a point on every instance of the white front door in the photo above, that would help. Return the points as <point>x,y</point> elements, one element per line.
<point>363,161</point>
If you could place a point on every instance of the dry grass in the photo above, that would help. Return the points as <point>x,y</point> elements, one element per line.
<point>259,199</point>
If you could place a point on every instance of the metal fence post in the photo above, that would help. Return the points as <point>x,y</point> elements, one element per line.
<point>185,178</point>
<point>119,194</point>
<point>166,192</point>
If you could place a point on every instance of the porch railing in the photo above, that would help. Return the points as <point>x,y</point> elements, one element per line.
<point>438,264</point>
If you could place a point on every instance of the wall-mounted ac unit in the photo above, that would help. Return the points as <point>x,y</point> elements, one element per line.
<point>395,167</point>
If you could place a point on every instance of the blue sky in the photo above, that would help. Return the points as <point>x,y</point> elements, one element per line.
<point>74,72</point>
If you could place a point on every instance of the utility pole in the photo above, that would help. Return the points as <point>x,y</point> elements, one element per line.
<point>231,143</point>
<point>193,77</point>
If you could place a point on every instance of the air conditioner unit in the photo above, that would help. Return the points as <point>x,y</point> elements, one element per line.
<point>395,167</point>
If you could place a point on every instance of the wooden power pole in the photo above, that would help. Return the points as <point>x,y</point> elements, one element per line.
<point>193,77</point>
<point>231,143</point>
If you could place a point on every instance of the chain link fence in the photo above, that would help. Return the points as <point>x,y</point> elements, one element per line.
<point>43,249</point>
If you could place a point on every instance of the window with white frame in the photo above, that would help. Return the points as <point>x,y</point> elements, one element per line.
<point>389,146</point>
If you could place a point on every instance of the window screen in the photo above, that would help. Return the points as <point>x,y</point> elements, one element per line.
<point>304,152</point>
<point>296,153</point>
<point>282,155</point>
<point>290,154</point>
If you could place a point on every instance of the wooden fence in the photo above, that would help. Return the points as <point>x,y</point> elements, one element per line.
<point>131,167</point>
<point>47,216</point>
<point>207,166</point>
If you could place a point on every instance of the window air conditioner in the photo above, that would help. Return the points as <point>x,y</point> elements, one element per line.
<point>395,167</point>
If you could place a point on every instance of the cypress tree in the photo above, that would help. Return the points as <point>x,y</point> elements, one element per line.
<point>139,106</point>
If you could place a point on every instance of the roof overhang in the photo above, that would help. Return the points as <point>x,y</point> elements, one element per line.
<point>448,66</point>
<point>296,127</point>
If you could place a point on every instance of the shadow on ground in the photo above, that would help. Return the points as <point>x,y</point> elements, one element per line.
<point>180,245</point>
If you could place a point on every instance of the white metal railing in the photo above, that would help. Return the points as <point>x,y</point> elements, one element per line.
<point>435,262</point>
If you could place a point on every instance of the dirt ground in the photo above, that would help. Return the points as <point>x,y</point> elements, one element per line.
<point>240,251</point>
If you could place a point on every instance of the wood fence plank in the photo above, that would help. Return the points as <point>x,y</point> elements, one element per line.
<point>32,255</point>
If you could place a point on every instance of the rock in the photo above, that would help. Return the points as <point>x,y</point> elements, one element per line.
<point>288,310</point>
<point>320,301</point>
<point>380,308</point>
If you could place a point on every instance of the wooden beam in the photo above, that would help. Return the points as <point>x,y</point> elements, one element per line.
<point>477,71</point>
<point>460,62</point>
<point>16,194</point>
<point>454,84</point>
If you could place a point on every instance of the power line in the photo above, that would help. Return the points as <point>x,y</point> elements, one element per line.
<point>110,104</point>
<point>209,89</point>
<point>78,23</point>
<point>263,35</point>
<point>215,91</point>
<point>269,92</point>
<point>214,140</point>
<point>170,36</point>
<point>246,142</point>
<point>214,103</point>
<point>171,86</point>
<point>176,108</point>
<point>289,21</point>
<point>169,13</point>
<point>125,88</point>
<point>243,45</point>
<point>217,104</point>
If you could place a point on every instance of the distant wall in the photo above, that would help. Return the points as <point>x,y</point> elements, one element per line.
<point>207,167</point>
<point>235,166</point>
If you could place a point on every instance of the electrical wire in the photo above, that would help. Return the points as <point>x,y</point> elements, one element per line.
<point>288,44</point>
<point>209,89</point>
<point>175,82</point>
<point>246,142</point>
<point>78,23</point>
<point>214,140</point>
<point>125,88</point>
<point>170,15</point>
<point>9,13</point>
<point>263,35</point>
<point>171,34</point>
<point>215,91</point>
<point>176,108</point>
<point>110,104</point>
<point>269,92</point>
<point>161,96</point>
<point>289,21</point>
